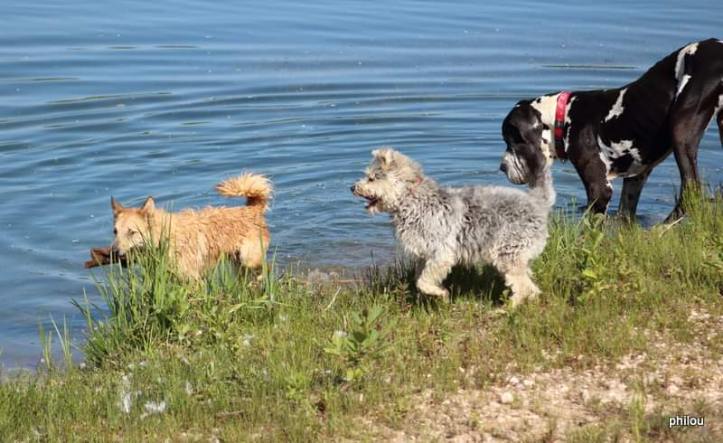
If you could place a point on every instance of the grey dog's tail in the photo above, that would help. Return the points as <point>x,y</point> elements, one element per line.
<point>542,188</point>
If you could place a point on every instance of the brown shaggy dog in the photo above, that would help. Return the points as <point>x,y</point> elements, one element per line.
<point>197,239</point>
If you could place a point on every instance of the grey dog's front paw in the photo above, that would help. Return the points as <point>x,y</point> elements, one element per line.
<point>436,291</point>
<point>444,296</point>
<point>517,299</point>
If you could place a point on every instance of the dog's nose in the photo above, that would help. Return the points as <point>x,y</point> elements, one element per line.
<point>352,188</point>
<point>503,167</point>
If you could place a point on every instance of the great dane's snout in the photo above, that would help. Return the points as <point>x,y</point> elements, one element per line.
<point>503,167</point>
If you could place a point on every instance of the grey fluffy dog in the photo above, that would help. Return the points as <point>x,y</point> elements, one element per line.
<point>503,226</point>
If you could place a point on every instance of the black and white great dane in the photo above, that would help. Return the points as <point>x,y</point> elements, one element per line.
<point>621,132</point>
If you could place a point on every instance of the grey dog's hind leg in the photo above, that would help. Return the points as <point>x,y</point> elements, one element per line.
<point>432,276</point>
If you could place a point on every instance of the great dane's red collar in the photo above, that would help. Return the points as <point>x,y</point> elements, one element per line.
<point>562,100</point>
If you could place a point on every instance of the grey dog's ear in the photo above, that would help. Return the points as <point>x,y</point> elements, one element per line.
<point>385,156</point>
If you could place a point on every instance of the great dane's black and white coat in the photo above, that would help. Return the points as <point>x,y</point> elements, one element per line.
<point>621,132</point>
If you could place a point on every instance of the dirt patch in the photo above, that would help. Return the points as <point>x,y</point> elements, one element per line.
<point>669,379</point>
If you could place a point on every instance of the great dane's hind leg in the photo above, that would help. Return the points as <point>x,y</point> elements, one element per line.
<point>432,276</point>
<point>719,119</point>
<point>687,126</point>
<point>686,137</point>
<point>632,187</point>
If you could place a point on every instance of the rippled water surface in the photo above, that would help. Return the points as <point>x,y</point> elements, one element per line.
<point>166,98</point>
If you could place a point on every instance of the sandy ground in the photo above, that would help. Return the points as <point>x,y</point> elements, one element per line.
<point>669,379</point>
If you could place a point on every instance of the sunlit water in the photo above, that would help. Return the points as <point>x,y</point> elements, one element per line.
<point>166,98</point>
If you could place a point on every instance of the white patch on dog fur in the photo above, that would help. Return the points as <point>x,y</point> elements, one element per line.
<point>681,84</point>
<point>617,109</point>
<point>680,66</point>
<point>546,105</point>
<point>547,145</point>
<point>618,149</point>
<point>680,61</point>
<point>567,123</point>
<point>608,175</point>
<point>546,136</point>
<point>606,161</point>
<point>720,105</point>
<point>615,150</point>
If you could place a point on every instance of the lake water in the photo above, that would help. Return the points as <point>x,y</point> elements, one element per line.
<point>104,98</point>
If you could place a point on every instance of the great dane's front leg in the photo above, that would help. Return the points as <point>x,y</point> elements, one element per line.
<point>632,187</point>
<point>598,187</point>
<point>434,272</point>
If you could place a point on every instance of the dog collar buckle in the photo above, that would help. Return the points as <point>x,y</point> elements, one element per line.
<point>562,100</point>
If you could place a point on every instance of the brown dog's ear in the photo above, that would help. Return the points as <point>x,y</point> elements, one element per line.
<point>115,205</point>
<point>149,205</point>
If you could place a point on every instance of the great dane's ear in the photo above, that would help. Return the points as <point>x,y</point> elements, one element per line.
<point>385,156</point>
<point>531,130</point>
<point>149,205</point>
<point>116,206</point>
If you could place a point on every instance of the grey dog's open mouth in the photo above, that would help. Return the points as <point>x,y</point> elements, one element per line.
<point>371,202</point>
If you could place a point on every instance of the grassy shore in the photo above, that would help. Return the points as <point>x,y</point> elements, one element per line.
<point>278,358</point>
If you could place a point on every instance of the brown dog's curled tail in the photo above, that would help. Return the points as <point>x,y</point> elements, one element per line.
<point>256,188</point>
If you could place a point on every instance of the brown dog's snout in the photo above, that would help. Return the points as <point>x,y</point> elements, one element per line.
<point>114,251</point>
<point>353,188</point>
